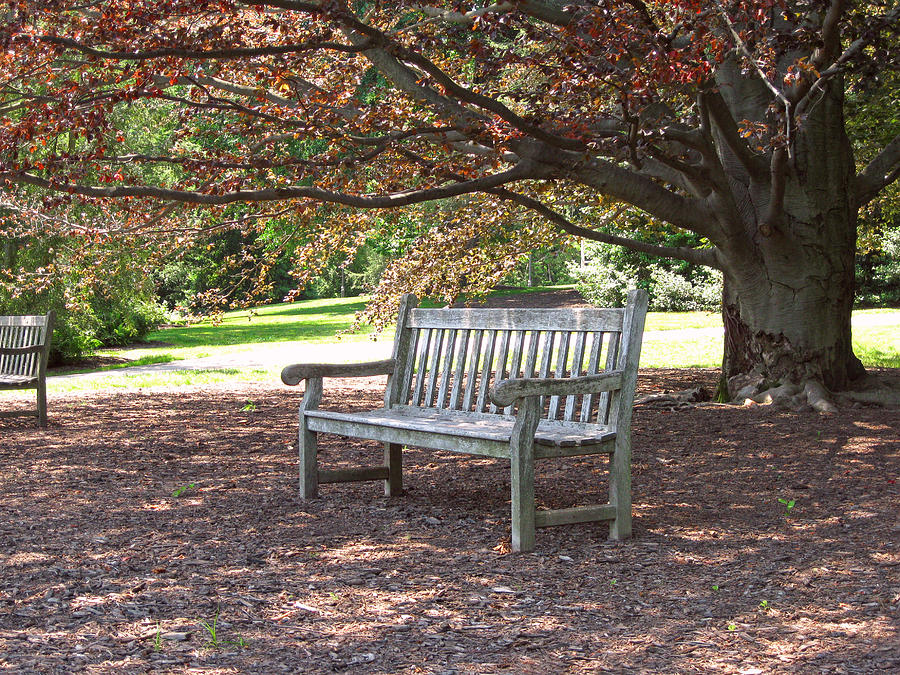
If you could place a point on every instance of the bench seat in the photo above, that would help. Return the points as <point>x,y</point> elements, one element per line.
<point>17,382</point>
<point>450,429</point>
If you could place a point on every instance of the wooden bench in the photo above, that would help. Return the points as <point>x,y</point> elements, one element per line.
<point>519,384</point>
<point>24,350</point>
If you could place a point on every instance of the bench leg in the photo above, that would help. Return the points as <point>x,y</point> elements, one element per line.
<point>393,460</point>
<point>620,488</point>
<point>521,457</point>
<point>42,405</point>
<point>307,443</point>
<point>309,464</point>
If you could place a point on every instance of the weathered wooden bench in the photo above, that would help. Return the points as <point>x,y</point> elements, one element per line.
<point>24,350</point>
<point>520,384</point>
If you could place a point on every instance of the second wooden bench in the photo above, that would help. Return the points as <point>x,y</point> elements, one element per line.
<point>24,350</point>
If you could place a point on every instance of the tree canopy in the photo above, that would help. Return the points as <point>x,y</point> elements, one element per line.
<point>722,118</point>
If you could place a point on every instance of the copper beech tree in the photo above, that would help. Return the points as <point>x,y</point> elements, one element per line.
<point>722,118</point>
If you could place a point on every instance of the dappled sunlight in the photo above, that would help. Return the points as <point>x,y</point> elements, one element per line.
<point>122,538</point>
<point>156,507</point>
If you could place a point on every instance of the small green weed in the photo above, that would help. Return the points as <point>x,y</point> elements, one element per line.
<point>715,587</point>
<point>764,606</point>
<point>157,639</point>
<point>732,627</point>
<point>212,630</point>
<point>177,492</point>
<point>249,406</point>
<point>788,505</point>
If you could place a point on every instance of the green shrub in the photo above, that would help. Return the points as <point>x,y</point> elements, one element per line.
<point>604,285</point>
<point>544,267</point>
<point>103,298</point>
<point>127,319</point>
<point>672,292</point>
<point>878,273</point>
<point>673,286</point>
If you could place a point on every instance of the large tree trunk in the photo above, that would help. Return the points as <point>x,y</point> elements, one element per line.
<point>789,286</point>
<point>777,332</point>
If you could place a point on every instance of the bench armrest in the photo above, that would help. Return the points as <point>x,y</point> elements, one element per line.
<point>505,392</point>
<point>297,372</point>
<point>17,351</point>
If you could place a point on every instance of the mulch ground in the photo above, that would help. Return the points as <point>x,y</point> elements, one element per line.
<point>136,517</point>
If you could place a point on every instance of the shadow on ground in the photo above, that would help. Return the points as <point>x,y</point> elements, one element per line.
<point>136,517</point>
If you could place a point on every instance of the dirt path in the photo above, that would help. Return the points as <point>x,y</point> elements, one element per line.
<point>136,517</point>
<point>260,356</point>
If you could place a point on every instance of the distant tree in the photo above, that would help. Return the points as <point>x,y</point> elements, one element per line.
<point>725,119</point>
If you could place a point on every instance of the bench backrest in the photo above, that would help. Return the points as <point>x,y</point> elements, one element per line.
<point>450,358</point>
<point>25,331</point>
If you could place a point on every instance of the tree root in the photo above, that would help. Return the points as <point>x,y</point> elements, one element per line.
<point>676,399</point>
<point>881,389</point>
<point>812,395</point>
<point>819,397</point>
<point>809,396</point>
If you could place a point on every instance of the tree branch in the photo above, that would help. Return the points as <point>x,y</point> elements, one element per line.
<point>696,256</point>
<point>393,57</point>
<point>879,173</point>
<point>523,170</point>
<point>777,185</point>
<point>715,105</point>
<point>805,94</point>
<point>831,34</point>
<point>202,54</point>
<point>547,12</point>
<point>644,193</point>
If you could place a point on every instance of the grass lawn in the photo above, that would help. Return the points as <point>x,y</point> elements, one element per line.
<point>310,320</point>
<point>673,340</point>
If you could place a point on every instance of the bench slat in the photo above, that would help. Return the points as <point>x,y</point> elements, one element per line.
<point>406,376</point>
<point>562,358</point>
<point>446,369</point>
<point>587,403</point>
<point>518,319</point>
<point>17,381</point>
<point>534,339</point>
<point>485,427</point>
<point>456,392</point>
<point>424,344</point>
<point>472,379</point>
<point>575,371</point>
<point>614,342</point>
<point>500,367</point>
<point>433,363</point>
<point>23,320</point>
<point>486,368</point>
<point>549,337</point>
<point>515,367</point>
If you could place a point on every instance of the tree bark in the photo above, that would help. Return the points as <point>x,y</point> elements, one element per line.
<point>790,284</point>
